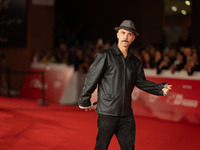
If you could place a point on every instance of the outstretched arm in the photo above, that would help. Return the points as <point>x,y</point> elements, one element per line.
<point>161,89</point>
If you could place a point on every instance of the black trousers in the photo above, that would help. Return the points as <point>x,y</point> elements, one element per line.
<point>122,127</point>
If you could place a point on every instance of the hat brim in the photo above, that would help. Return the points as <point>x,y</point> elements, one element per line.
<point>127,28</point>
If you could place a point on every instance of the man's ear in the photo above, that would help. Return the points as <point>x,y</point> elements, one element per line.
<point>133,38</point>
<point>117,35</point>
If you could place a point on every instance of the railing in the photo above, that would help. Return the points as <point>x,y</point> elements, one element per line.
<point>6,73</point>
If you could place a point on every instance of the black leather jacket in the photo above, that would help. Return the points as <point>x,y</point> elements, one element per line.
<point>116,78</point>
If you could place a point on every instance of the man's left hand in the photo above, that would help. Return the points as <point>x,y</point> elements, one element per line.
<point>167,89</point>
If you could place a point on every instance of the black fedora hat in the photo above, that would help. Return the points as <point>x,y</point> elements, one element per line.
<point>127,25</point>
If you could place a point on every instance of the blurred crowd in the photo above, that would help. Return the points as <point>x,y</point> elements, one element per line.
<point>72,48</point>
<point>174,58</point>
<point>80,58</point>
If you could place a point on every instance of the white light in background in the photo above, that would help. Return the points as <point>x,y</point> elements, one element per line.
<point>174,8</point>
<point>187,3</point>
<point>183,12</point>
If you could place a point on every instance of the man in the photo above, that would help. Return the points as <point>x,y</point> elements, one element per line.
<point>116,72</point>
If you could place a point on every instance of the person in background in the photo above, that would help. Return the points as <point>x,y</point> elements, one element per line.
<point>157,59</point>
<point>48,57</point>
<point>189,67</point>
<point>179,63</point>
<point>172,54</point>
<point>37,56</point>
<point>147,63</point>
<point>164,64</point>
<point>116,71</point>
<point>78,60</point>
<point>196,64</point>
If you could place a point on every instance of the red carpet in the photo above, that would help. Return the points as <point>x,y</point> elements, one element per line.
<point>26,126</point>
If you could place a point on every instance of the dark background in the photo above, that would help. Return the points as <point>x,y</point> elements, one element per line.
<point>154,20</point>
<point>95,19</point>
<point>44,26</point>
<point>13,23</point>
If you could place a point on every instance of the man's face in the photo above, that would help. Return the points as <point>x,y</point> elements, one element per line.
<point>125,37</point>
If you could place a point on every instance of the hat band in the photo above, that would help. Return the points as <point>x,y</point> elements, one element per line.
<point>128,28</point>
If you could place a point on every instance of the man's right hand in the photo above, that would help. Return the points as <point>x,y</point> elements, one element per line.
<point>93,107</point>
<point>88,109</point>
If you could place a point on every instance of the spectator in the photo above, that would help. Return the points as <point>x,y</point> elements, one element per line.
<point>136,53</point>
<point>78,60</point>
<point>157,59</point>
<point>172,54</point>
<point>48,58</point>
<point>106,45</point>
<point>189,60</point>
<point>165,64</point>
<point>179,63</point>
<point>147,63</point>
<point>150,49</point>
<point>99,44</point>
<point>196,64</point>
<point>37,56</point>
<point>59,56</point>
<point>62,54</point>
<point>83,67</point>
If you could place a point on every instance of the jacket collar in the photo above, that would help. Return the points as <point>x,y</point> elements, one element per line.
<point>117,51</point>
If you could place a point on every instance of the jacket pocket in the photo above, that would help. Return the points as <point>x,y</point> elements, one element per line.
<point>109,97</point>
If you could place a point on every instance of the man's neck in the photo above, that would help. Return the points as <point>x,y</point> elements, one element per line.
<point>123,49</point>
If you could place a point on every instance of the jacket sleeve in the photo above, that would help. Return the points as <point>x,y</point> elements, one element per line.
<point>93,77</point>
<point>146,85</point>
